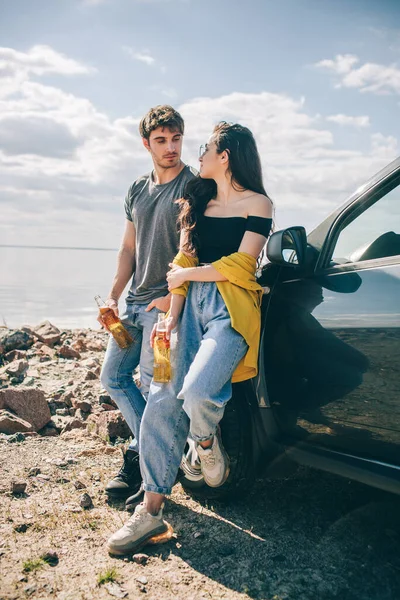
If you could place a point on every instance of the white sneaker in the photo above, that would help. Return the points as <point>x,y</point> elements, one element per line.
<point>136,532</point>
<point>214,462</point>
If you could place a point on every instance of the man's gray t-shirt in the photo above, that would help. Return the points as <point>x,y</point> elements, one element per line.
<point>154,213</point>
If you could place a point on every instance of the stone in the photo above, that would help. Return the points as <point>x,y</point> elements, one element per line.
<point>33,471</point>
<point>79,345</point>
<point>68,352</point>
<point>106,406</point>
<point>47,333</point>
<point>50,557</point>
<point>111,424</point>
<point>142,579</point>
<point>15,355</point>
<point>29,404</point>
<point>17,368</point>
<point>64,412</point>
<point>115,590</point>
<point>79,485</point>
<point>90,376</point>
<point>16,437</point>
<point>95,345</point>
<point>18,487</point>
<point>83,405</point>
<point>14,339</point>
<point>73,423</point>
<point>85,501</point>
<point>140,559</point>
<point>10,423</point>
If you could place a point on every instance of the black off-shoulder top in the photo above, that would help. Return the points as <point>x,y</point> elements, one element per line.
<point>220,236</point>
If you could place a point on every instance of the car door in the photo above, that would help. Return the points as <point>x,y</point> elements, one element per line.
<point>334,339</point>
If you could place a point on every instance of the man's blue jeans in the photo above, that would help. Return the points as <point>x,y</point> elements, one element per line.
<point>118,366</point>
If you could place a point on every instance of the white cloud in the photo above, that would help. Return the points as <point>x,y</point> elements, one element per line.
<point>345,120</point>
<point>39,60</point>
<point>143,56</point>
<point>369,77</point>
<point>66,167</point>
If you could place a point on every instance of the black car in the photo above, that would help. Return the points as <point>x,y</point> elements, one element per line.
<point>328,390</point>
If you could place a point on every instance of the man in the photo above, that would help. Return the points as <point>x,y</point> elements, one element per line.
<point>150,241</point>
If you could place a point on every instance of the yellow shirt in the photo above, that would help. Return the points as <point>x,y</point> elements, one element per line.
<point>242,296</point>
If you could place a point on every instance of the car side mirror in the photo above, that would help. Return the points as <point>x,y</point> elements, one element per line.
<point>288,247</point>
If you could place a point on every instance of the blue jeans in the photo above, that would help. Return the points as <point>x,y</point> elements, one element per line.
<point>118,366</point>
<point>207,353</point>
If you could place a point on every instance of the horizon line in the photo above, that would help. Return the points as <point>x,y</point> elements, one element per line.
<point>56,247</point>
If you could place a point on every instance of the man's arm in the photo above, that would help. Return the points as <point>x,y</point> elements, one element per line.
<point>125,268</point>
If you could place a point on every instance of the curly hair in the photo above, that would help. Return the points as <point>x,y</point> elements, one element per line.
<point>162,115</point>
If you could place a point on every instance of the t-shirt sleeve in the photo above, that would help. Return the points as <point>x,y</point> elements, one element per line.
<point>128,204</point>
<point>260,225</point>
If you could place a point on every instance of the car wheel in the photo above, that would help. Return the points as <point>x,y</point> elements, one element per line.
<point>236,436</point>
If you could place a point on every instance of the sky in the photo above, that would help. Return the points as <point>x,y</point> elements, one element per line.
<point>317,81</point>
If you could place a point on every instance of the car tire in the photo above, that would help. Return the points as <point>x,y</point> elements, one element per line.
<point>236,433</point>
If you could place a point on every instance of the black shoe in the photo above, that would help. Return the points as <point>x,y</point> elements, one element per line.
<point>128,481</point>
<point>132,502</point>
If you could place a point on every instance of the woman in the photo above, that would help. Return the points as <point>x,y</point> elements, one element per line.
<point>225,219</point>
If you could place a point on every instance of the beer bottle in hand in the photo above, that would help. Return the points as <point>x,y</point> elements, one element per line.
<point>110,319</point>
<point>162,357</point>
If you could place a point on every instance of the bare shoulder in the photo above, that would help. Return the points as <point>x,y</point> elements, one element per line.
<point>260,206</point>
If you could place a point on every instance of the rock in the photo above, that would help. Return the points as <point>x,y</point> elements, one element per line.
<point>68,352</point>
<point>142,579</point>
<point>64,412</point>
<point>50,557</point>
<point>10,423</point>
<point>15,355</point>
<point>95,345</point>
<point>79,485</point>
<point>91,376</point>
<point>106,398</point>
<point>79,345</point>
<point>105,406</point>
<point>18,487</point>
<point>115,590</point>
<point>83,405</point>
<point>30,589</point>
<point>47,333</point>
<point>85,501</point>
<point>45,354</point>
<point>17,368</point>
<point>14,339</point>
<point>33,471</point>
<point>28,404</point>
<point>90,363</point>
<point>140,559</point>
<point>22,527</point>
<point>111,424</point>
<point>73,423</point>
<point>17,437</point>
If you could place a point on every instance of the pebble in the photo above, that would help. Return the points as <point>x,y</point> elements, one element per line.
<point>50,557</point>
<point>79,485</point>
<point>140,559</point>
<point>22,527</point>
<point>85,501</point>
<point>16,437</point>
<point>18,487</point>
<point>142,579</point>
<point>30,589</point>
<point>197,535</point>
<point>33,471</point>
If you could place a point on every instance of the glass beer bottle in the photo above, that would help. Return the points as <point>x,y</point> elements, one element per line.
<point>162,353</point>
<point>110,319</point>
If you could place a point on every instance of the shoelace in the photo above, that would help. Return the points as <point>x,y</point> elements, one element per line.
<point>135,519</point>
<point>209,459</point>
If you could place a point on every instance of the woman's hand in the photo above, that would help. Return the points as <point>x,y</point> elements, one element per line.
<point>176,276</point>
<point>168,324</point>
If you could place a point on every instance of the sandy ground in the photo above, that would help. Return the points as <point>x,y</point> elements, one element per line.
<point>311,536</point>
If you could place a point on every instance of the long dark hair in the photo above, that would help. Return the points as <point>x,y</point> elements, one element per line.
<point>245,171</point>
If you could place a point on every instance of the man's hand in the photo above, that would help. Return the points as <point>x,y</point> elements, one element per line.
<point>113,304</point>
<point>162,303</point>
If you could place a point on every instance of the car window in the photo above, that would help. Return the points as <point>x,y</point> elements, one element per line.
<point>373,234</point>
